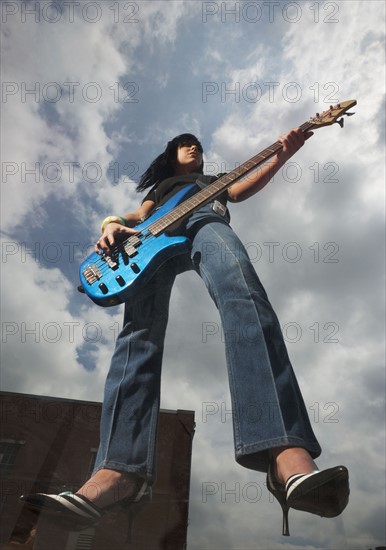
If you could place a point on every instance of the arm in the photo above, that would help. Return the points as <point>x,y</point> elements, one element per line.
<point>254,182</point>
<point>113,230</point>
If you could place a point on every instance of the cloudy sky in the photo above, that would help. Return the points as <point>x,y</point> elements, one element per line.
<point>91,92</point>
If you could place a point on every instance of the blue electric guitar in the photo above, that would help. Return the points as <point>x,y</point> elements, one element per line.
<point>115,278</point>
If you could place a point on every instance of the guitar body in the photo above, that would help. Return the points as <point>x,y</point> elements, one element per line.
<point>109,282</point>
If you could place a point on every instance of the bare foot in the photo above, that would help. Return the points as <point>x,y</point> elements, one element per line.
<point>109,486</point>
<point>291,461</point>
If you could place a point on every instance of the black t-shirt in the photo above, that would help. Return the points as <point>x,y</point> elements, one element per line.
<point>170,186</point>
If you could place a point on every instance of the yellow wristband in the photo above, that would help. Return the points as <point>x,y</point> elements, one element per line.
<point>113,219</point>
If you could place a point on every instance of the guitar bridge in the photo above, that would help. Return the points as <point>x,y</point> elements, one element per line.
<point>92,274</point>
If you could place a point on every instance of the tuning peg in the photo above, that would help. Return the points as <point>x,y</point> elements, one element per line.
<point>340,122</point>
<point>349,114</point>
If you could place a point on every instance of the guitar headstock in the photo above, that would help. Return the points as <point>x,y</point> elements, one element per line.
<point>332,114</point>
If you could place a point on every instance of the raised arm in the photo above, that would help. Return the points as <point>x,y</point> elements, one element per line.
<point>253,183</point>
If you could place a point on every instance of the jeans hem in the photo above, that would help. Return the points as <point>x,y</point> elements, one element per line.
<point>257,456</point>
<point>119,467</point>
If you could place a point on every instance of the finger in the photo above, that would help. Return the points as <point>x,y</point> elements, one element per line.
<point>110,240</point>
<point>297,137</point>
<point>130,231</point>
<point>293,137</point>
<point>104,244</point>
<point>100,247</point>
<point>291,142</point>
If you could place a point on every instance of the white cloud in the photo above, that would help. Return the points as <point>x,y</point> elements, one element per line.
<point>40,337</point>
<point>168,55</point>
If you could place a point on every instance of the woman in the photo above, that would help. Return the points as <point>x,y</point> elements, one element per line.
<point>260,373</point>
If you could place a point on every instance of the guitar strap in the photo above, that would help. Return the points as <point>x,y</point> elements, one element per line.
<point>203,181</point>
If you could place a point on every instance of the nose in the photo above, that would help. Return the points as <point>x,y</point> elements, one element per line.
<point>194,147</point>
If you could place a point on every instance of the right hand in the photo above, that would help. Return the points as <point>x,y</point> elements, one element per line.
<point>109,237</point>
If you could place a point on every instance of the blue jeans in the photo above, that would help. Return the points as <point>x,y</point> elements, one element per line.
<point>267,406</point>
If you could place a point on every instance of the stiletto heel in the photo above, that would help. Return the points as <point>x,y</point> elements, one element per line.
<point>279,493</point>
<point>324,493</point>
<point>132,509</point>
<point>132,514</point>
<point>285,531</point>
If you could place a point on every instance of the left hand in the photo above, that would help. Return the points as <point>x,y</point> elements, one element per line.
<point>292,142</point>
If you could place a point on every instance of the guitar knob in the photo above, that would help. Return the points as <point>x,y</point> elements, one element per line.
<point>120,280</point>
<point>103,288</point>
<point>135,268</point>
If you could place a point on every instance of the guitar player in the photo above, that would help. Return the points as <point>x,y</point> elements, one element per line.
<point>282,445</point>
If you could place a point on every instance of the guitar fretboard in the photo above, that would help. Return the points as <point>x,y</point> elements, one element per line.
<point>212,191</point>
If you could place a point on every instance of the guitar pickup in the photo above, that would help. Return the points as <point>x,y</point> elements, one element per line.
<point>135,241</point>
<point>130,250</point>
<point>92,274</point>
<point>131,246</point>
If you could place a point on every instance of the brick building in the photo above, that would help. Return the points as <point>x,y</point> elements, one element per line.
<point>49,445</point>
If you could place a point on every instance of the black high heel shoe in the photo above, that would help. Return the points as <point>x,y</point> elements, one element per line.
<point>77,512</point>
<point>324,493</point>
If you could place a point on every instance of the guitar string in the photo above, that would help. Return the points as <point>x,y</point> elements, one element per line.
<point>314,122</point>
<point>221,184</point>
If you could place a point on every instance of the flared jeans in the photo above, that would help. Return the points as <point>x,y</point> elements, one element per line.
<point>268,410</point>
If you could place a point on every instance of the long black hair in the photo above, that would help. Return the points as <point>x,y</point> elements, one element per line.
<point>163,166</point>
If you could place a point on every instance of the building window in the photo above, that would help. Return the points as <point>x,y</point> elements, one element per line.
<point>8,453</point>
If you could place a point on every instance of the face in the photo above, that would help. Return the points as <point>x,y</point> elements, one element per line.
<point>189,158</point>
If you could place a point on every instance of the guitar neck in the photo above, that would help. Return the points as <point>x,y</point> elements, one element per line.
<point>212,191</point>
